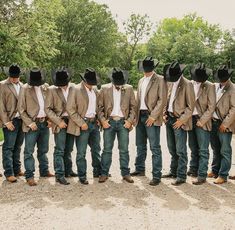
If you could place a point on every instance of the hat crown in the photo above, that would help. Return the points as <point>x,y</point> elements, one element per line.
<point>35,74</point>
<point>148,62</point>
<point>62,74</point>
<point>117,73</point>
<point>174,68</point>
<point>14,70</point>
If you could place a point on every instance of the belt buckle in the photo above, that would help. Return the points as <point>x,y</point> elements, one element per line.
<point>116,118</point>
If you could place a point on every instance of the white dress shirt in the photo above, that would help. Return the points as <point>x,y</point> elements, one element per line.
<point>40,98</point>
<point>172,97</point>
<point>116,103</point>
<point>66,94</point>
<point>143,88</point>
<point>219,92</point>
<point>17,89</point>
<point>196,87</point>
<point>91,110</point>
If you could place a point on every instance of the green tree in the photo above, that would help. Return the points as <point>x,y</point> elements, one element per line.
<point>189,40</point>
<point>88,35</point>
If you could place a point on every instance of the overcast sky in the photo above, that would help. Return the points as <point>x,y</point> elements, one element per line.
<point>220,12</point>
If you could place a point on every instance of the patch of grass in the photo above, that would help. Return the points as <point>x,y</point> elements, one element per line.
<point>1,135</point>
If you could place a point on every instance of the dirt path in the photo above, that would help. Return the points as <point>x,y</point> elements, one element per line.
<point>116,204</point>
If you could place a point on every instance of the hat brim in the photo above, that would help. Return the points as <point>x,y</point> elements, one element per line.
<point>60,83</point>
<point>174,78</point>
<point>141,68</point>
<point>119,81</point>
<point>89,82</point>
<point>197,78</point>
<point>36,83</point>
<point>223,79</point>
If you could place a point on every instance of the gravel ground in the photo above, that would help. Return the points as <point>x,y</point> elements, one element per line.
<point>117,204</point>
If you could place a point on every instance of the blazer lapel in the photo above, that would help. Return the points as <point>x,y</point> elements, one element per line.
<point>179,88</point>
<point>150,84</point>
<point>33,93</point>
<point>200,91</point>
<point>85,95</point>
<point>61,95</point>
<point>224,91</point>
<point>111,94</point>
<point>12,88</point>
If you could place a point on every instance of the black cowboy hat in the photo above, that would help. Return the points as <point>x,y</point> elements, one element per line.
<point>61,77</point>
<point>200,73</point>
<point>147,65</point>
<point>173,71</point>
<point>90,76</point>
<point>118,76</point>
<point>223,73</point>
<point>36,78</point>
<point>14,71</point>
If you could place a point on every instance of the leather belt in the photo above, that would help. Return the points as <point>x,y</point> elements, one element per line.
<point>170,114</point>
<point>40,119</point>
<point>216,120</point>
<point>144,112</point>
<point>91,120</point>
<point>116,118</point>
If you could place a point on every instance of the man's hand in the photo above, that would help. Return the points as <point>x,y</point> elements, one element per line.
<point>105,124</point>
<point>127,124</point>
<point>10,126</point>
<point>62,125</point>
<point>84,127</point>
<point>165,118</point>
<point>177,124</point>
<point>199,124</point>
<point>33,126</point>
<point>222,128</point>
<point>149,122</point>
<point>49,124</point>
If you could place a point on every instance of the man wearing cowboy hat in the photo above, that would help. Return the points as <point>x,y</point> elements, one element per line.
<point>12,124</point>
<point>117,107</point>
<point>82,109</point>
<point>223,125</point>
<point>35,125</point>
<point>55,108</point>
<point>151,100</point>
<point>199,136</point>
<point>178,119</point>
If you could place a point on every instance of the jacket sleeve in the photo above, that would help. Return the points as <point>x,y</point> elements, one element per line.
<point>161,101</point>
<point>230,118</point>
<point>22,107</point>
<point>49,106</point>
<point>3,113</point>
<point>132,107</point>
<point>190,102</point>
<point>72,107</point>
<point>101,115</point>
<point>211,97</point>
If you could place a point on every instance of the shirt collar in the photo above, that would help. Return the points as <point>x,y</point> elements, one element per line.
<point>149,76</point>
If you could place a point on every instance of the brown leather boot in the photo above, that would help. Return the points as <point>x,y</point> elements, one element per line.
<point>19,174</point>
<point>128,179</point>
<point>11,179</point>
<point>31,182</point>
<point>102,179</point>
<point>220,180</point>
<point>212,175</point>
<point>48,175</point>
<point>231,177</point>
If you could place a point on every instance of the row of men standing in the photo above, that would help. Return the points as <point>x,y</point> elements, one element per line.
<point>77,113</point>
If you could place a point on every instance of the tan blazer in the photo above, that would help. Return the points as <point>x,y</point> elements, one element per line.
<point>128,102</point>
<point>55,105</point>
<point>77,106</point>
<point>28,105</point>
<point>205,104</point>
<point>8,101</point>
<point>184,102</point>
<point>225,107</point>
<point>155,98</point>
